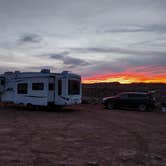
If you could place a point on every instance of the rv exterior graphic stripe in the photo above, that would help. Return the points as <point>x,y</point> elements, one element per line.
<point>36,96</point>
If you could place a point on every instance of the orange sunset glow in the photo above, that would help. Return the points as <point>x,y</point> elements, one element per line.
<point>131,76</point>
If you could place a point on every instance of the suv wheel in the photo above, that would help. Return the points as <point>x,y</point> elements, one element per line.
<point>142,107</point>
<point>110,105</point>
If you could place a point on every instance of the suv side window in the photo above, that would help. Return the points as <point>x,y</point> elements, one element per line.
<point>134,96</point>
<point>137,96</point>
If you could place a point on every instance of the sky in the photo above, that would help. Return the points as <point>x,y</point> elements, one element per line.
<point>102,40</point>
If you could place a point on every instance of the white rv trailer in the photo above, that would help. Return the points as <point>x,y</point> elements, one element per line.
<point>40,88</point>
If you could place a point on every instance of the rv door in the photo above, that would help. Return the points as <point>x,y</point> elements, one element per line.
<point>51,90</point>
<point>59,87</point>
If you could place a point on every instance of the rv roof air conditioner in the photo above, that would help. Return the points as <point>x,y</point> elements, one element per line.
<point>8,73</point>
<point>45,70</point>
<point>65,72</point>
<point>17,72</point>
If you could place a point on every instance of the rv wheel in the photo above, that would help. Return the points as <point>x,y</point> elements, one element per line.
<point>29,106</point>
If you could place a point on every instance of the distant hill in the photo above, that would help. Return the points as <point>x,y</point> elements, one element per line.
<point>100,90</point>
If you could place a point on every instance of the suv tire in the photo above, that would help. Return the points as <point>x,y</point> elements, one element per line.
<point>110,105</point>
<point>142,107</point>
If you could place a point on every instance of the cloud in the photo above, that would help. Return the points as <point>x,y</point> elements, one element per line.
<point>130,29</point>
<point>123,63</point>
<point>68,60</point>
<point>90,36</point>
<point>30,38</point>
<point>59,55</point>
<point>118,50</point>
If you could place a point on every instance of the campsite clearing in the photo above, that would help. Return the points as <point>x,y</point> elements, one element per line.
<point>81,135</point>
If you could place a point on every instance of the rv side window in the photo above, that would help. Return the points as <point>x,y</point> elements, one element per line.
<point>74,87</point>
<point>59,87</point>
<point>22,88</point>
<point>2,82</point>
<point>38,86</point>
<point>51,86</point>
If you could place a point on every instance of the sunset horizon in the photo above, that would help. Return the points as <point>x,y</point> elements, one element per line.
<point>130,76</point>
<point>121,80</point>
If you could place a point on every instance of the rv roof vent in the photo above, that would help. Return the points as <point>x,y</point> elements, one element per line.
<point>45,71</point>
<point>8,73</point>
<point>65,72</point>
<point>17,72</point>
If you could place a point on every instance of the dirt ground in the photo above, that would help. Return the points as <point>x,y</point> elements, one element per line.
<point>85,135</point>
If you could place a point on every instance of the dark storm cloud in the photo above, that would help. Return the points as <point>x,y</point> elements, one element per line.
<point>30,38</point>
<point>68,60</point>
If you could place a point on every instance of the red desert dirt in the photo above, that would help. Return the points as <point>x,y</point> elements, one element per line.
<point>81,135</point>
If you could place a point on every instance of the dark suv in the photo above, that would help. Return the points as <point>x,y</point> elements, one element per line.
<point>141,100</point>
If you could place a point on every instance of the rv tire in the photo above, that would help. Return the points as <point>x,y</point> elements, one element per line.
<point>30,106</point>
